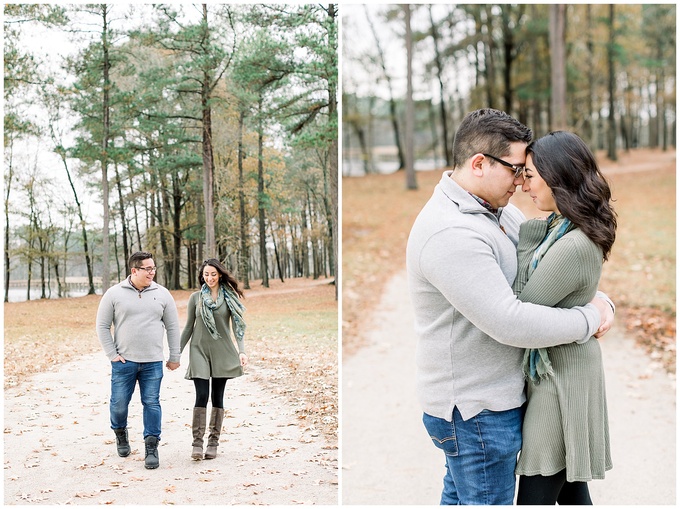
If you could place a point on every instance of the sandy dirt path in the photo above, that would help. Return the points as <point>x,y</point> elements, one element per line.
<point>388,459</point>
<point>59,449</point>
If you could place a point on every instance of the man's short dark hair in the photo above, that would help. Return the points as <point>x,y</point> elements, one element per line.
<point>137,258</point>
<point>487,131</point>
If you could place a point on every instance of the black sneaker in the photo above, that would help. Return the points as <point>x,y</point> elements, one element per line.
<point>151,458</point>
<point>122,443</point>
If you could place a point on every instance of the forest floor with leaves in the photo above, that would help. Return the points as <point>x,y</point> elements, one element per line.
<point>378,212</point>
<point>279,441</point>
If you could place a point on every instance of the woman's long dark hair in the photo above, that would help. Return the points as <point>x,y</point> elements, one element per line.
<point>224,273</point>
<point>581,192</point>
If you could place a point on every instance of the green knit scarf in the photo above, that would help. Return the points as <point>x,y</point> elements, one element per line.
<point>208,306</point>
<point>537,363</point>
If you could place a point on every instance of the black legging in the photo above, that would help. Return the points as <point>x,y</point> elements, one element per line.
<point>546,490</point>
<point>203,391</point>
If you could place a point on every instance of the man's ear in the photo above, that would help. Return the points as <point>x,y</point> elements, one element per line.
<point>476,165</point>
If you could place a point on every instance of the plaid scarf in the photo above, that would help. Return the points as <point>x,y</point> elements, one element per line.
<point>536,363</point>
<point>208,306</point>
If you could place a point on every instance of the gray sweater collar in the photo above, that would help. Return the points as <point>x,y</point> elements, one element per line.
<point>126,283</point>
<point>465,201</point>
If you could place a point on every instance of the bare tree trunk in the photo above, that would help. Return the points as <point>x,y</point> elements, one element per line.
<point>8,187</point>
<point>361,136</point>
<point>30,275</point>
<point>479,73</point>
<point>121,211</point>
<point>558,67</point>
<point>164,219</point>
<point>333,167</point>
<point>591,125</point>
<point>305,234</point>
<point>627,118</point>
<point>176,231</point>
<point>432,115</point>
<point>106,255</point>
<point>191,263</point>
<point>392,102</point>
<point>60,289</point>
<point>66,245</point>
<point>115,249</point>
<point>411,183</point>
<point>661,108</point>
<point>611,133</point>
<point>208,158</point>
<point>161,213</point>
<point>208,182</point>
<point>134,215</point>
<point>535,101</point>
<point>330,207</point>
<point>442,104</point>
<point>276,254</point>
<point>243,252</point>
<point>79,208</point>
<point>509,51</point>
<point>261,199</point>
<point>490,59</point>
<point>43,258</point>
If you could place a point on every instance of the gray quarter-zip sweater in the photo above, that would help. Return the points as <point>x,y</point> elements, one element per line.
<point>471,327</point>
<point>140,320</point>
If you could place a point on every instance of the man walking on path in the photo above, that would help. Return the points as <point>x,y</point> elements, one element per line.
<point>472,329</point>
<point>141,312</point>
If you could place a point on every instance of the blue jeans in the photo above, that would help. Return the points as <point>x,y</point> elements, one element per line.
<point>124,377</point>
<point>481,454</point>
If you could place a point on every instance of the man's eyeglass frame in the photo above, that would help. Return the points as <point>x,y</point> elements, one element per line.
<point>147,269</point>
<point>519,170</point>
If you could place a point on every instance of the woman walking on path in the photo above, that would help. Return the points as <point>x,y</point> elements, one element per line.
<point>565,434</point>
<point>212,353</point>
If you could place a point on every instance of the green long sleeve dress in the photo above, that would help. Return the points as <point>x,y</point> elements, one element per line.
<point>209,357</point>
<point>566,423</point>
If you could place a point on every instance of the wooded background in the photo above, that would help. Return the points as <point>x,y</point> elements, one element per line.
<point>606,72</point>
<point>190,131</point>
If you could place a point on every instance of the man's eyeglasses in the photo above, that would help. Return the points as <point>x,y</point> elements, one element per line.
<point>519,170</point>
<point>148,269</point>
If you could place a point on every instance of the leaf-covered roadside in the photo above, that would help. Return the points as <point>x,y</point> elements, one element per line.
<point>296,348</point>
<point>655,331</point>
<point>308,380</point>
<point>41,335</point>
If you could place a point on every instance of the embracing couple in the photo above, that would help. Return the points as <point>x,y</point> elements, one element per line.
<point>507,314</point>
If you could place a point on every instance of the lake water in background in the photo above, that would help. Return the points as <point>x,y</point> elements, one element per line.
<point>355,167</point>
<point>19,294</point>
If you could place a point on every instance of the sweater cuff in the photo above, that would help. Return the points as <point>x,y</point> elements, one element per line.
<point>592,315</point>
<point>605,298</point>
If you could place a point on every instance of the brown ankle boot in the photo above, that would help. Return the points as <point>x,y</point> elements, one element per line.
<point>216,418</point>
<point>198,430</point>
